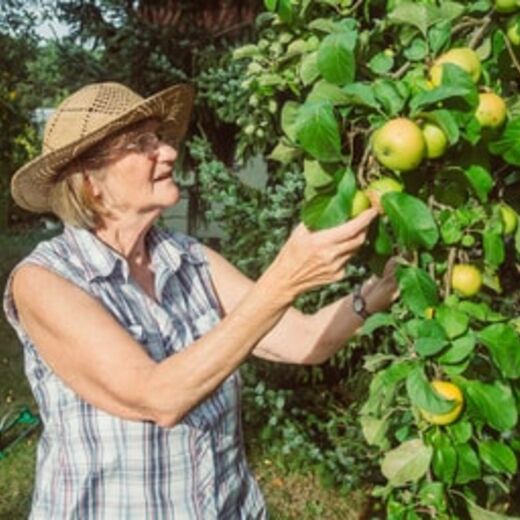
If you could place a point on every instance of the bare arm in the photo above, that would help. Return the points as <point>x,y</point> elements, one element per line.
<point>300,338</point>
<point>112,371</point>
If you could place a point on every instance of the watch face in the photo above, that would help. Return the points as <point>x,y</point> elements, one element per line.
<point>358,305</point>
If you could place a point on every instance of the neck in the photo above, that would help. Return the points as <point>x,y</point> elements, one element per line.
<point>128,239</point>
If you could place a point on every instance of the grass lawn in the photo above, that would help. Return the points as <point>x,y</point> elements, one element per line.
<point>289,496</point>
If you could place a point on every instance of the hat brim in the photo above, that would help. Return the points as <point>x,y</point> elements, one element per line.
<point>30,185</point>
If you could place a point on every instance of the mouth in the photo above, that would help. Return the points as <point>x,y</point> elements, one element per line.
<point>164,177</point>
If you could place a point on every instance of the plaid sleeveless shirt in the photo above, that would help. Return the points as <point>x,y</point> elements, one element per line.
<point>95,466</point>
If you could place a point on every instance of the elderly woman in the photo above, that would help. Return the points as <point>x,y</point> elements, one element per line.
<point>133,335</point>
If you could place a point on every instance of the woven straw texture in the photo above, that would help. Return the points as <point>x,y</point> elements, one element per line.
<point>85,118</point>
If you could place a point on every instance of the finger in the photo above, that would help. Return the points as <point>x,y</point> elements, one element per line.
<point>351,228</point>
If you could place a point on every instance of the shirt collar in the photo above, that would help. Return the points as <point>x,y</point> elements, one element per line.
<point>100,260</point>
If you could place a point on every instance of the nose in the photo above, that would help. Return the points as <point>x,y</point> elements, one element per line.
<point>166,153</point>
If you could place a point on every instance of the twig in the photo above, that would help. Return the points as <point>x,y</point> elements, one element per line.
<point>475,40</point>
<point>361,170</point>
<point>447,282</point>
<point>467,22</point>
<point>359,3</point>
<point>401,71</point>
<point>512,54</point>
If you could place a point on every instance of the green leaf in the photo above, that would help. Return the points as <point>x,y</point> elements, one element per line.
<point>381,63</point>
<point>456,84</point>
<point>383,385</point>
<point>317,131</point>
<point>451,227</point>
<point>336,60</point>
<point>507,146</point>
<point>418,290</point>
<point>417,50</point>
<point>493,403</point>
<point>288,119</point>
<point>432,338</point>
<point>498,456</point>
<point>480,180</point>
<point>360,94</point>
<point>422,394</point>
<point>309,71</point>
<point>407,463</point>
<point>391,97</point>
<point>468,467</point>
<point>479,513</point>
<point>444,462</point>
<point>504,345</point>
<point>331,209</point>
<point>479,311</point>
<point>454,321</point>
<point>246,51</point>
<point>374,430</point>
<point>439,35</point>
<point>285,10</point>
<point>461,431</point>
<point>493,242</point>
<point>315,175</point>
<point>411,220</point>
<point>325,91</point>
<point>376,321</point>
<point>284,153</point>
<point>383,244</point>
<point>419,15</point>
<point>459,350</point>
<point>432,495</point>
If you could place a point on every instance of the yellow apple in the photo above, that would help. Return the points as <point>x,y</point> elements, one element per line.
<point>466,279</point>
<point>436,140</point>
<point>513,30</point>
<point>376,189</point>
<point>399,145</point>
<point>509,218</point>
<point>360,203</point>
<point>448,391</point>
<point>491,111</point>
<point>463,57</point>
<point>506,6</point>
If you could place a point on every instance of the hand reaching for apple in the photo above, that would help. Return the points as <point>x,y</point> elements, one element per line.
<point>381,292</point>
<point>311,259</point>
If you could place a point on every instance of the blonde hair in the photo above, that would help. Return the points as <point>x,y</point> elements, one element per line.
<point>71,198</point>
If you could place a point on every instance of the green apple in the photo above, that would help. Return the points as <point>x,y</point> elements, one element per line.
<point>399,145</point>
<point>360,203</point>
<point>513,30</point>
<point>506,6</point>
<point>491,111</point>
<point>376,189</point>
<point>509,218</point>
<point>463,57</point>
<point>436,140</point>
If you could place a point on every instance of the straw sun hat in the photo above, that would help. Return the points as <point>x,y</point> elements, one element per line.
<point>84,119</point>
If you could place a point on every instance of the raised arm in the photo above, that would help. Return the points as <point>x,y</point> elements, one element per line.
<point>110,370</point>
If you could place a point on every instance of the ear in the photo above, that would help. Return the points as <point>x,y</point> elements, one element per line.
<point>91,184</point>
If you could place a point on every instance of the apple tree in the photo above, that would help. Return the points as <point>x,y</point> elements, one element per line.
<point>413,106</point>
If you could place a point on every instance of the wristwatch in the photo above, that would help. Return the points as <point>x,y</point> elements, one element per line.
<point>359,304</point>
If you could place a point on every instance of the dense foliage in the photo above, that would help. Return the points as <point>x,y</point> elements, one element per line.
<point>320,85</point>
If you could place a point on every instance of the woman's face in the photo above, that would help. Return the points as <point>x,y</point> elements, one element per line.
<point>139,181</point>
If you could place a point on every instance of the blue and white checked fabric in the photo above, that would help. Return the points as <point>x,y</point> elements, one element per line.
<point>94,466</point>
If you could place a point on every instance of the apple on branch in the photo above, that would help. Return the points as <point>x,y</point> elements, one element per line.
<point>399,145</point>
